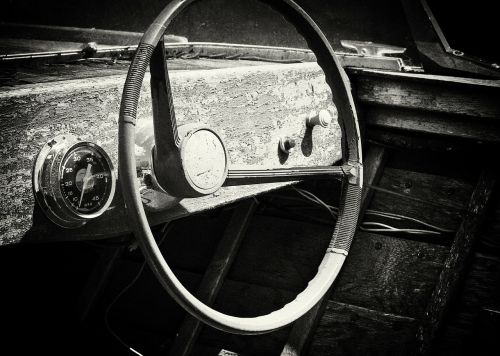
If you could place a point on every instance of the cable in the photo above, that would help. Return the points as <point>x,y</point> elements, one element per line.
<point>377,226</point>
<point>399,216</point>
<point>310,196</point>
<point>165,230</point>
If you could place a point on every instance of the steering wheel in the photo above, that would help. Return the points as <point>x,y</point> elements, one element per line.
<point>173,172</point>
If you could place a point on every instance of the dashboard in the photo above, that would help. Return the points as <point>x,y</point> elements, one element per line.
<point>259,110</point>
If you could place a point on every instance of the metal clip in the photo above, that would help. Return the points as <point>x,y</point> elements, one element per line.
<point>365,48</point>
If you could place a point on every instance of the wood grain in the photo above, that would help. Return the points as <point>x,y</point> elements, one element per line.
<point>249,107</point>
<point>451,194</point>
<point>475,98</point>
<point>303,329</point>
<point>441,124</point>
<point>349,330</point>
<point>455,263</point>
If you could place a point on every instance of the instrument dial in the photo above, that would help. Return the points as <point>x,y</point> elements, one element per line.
<point>73,181</point>
<point>85,178</point>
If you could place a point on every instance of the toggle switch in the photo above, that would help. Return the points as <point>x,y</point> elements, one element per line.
<point>323,119</point>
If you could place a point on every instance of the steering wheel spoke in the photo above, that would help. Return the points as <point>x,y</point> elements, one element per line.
<point>183,172</point>
<point>272,175</point>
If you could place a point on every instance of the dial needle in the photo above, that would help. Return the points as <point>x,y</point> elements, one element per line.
<point>86,178</point>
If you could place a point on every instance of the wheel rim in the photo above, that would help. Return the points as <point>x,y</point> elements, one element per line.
<point>351,187</point>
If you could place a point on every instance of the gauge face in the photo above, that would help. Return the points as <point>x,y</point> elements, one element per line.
<point>73,181</point>
<point>85,179</point>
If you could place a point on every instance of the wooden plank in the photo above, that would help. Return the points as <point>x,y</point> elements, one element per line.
<point>350,330</point>
<point>455,264</point>
<point>215,274</point>
<point>422,143</point>
<point>390,275</point>
<point>304,328</point>
<point>473,98</point>
<point>433,123</point>
<point>276,98</point>
<point>466,329</point>
<point>159,312</point>
<point>374,164</point>
<point>440,199</point>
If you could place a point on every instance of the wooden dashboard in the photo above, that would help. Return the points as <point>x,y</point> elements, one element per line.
<point>250,106</point>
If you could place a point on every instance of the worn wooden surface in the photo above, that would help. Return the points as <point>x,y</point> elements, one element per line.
<point>455,264</point>
<point>462,96</point>
<point>350,330</point>
<point>440,199</point>
<point>251,108</point>
<point>303,329</point>
<point>434,123</point>
<point>215,275</point>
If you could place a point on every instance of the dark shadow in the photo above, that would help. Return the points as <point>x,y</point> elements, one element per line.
<point>282,155</point>
<point>307,143</point>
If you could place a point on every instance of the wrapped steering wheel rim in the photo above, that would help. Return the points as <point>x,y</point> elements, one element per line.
<point>350,172</point>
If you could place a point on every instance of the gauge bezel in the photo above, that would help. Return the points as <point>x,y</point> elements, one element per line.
<point>47,174</point>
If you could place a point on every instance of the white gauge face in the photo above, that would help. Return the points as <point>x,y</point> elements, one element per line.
<point>204,159</point>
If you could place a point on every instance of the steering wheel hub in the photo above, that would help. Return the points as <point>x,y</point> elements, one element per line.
<point>191,162</point>
<point>204,159</point>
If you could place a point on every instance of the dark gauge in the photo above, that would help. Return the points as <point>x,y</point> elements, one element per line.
<point>85,178</point>
<point>73,181</point>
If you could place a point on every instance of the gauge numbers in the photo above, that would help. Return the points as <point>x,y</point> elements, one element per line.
<point>85,176</point>
<point>73,181</point>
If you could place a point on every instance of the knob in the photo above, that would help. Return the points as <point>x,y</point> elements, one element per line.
<point>287,144</point>
<point>323,118</point>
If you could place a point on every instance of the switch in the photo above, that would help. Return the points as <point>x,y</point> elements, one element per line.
<point>323,119</point>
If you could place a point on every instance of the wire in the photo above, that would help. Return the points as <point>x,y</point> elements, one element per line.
<point>310,196</point>
<point>399,217</point>
<point>373,226</point>
<point>165,230</point>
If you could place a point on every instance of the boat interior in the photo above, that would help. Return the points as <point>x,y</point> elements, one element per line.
<point>246,177</point>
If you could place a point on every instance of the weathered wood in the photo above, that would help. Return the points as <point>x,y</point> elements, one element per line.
<point>471,97</point>
<point>374,164</point>
<point>350,330</point>
<point>159,312</point>
<point>250,107</point>
<point>465,331</point>
<point>304,328</point>
<point>99,67</point>
<point>433,123</point>
<point>448,195</point>
<point>455,264</point>
<point>390,275</point>
<point>73,34</point>
<point>215,274</point>
<point>405,140</point>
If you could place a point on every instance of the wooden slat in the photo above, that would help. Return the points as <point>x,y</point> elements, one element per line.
<point>215,274</point>
<point>455,264</point>
<point>304,327</point>
<point>433,123</point>
<point>440,199</point>
<point>349,330</point>
<point>390,275</point>
<point>475,98</point>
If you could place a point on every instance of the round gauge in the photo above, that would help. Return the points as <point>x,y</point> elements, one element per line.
<point>73,181</point>
<point>85,179</point>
